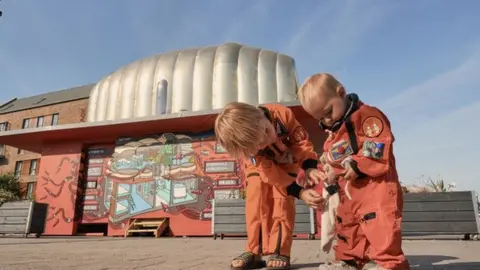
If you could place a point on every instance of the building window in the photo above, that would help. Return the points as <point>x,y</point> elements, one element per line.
<point>40,121</point>
<point>3,126</point>
<point>30,190</point>
<point>20,151</point>
<point>33,166</point>
<point>26,123</point>
<point>18,168</point>
<point>2,150</point>
<point>55,119</point>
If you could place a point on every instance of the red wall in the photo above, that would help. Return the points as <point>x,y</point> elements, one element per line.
<point>57,183</point>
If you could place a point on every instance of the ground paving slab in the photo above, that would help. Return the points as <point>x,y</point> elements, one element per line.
<point>104,253</point>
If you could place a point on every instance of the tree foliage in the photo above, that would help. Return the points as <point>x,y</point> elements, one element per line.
<point>10,189</point>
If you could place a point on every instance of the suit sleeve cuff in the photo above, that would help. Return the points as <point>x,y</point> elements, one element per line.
<point>294,190</point>
<point>309,164</point>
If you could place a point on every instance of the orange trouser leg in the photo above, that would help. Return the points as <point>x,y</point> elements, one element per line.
<point>281,235</point>
<point>258,212</point>
<point>369,225</point>
<point>351,241</point>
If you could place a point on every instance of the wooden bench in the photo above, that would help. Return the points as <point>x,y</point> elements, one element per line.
<point>440,213</point>
<point>23,217</point>
<point>228,218</point>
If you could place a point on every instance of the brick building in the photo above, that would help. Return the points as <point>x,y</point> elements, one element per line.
<point>50,109</point>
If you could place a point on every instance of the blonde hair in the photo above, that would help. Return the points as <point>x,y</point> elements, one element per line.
<point>316,84</point>
<point>237,129</point>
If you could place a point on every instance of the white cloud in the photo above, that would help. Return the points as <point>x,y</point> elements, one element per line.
<point>436,126</point>
<point>447,146</point>
<point>438,94</point>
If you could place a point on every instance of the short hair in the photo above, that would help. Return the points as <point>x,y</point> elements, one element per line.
<point>237,128</point>
<point>313,85</point>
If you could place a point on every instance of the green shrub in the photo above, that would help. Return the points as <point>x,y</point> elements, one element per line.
<point>9,188</point>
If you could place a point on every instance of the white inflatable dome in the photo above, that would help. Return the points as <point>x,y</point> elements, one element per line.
<point>195,79</point>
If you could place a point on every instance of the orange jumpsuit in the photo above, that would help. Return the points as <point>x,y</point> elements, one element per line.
<point>270,179</point>
<point>369,225</point>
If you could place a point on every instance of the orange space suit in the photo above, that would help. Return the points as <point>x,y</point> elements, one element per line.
<point>270,212</point>
<point>369,225</point>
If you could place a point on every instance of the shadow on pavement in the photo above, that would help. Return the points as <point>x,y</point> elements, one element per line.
<point>305,265</point>
<point>33,241</point>
<point>429,261</point>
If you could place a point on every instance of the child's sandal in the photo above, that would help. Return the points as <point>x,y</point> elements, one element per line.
<point>249,262</point>
<point>279,258</point>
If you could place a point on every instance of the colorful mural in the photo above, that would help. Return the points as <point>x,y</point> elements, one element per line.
<point>169,174</point>
<point>95,201</point>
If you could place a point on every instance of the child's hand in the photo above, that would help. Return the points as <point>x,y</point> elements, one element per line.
<point>349,174</point>
<point>312,198</point>
<point>315,176</point>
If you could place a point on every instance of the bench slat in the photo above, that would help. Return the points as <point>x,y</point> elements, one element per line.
<point>12,228</point>
<point>240,210</point>
<point>13,220</point>
<point>13,212</point>
<point>301,228</point>
<point>438,196</point>
<point>240,219</point>
<point>439,216</point>
<point>438,227</point>
<point>436,206</point>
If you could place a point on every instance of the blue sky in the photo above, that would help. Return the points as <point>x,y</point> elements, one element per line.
<point>419,61</point>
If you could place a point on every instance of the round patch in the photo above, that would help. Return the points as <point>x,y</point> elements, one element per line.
<point>372,126</point>
<point>300,134</point>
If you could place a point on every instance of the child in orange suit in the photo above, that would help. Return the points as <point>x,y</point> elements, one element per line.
<point>274,146</point>
<point>359,150</point>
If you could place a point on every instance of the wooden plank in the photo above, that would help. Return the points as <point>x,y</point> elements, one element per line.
<point>240,210</point>
<point>438,196</point>
<point>10,228</point>
<point>230,228</point>
<point>436,206</point>
<point>302,228</point>
<point>430,234</point>
<point>241,228</point>
<point>14,212</point>
<point>240,219</point>
<point>439,216</point>
<point>302,209</point>
<point>13,220</point>
<point>240,202</point>
<point>438,227</point>
<point>16,205</point>
<point>142,230</point>
<point>229,210</point>
<point>228,203</point>
<point>149,223</point>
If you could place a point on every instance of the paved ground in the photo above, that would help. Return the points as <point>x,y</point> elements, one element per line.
<point>198,253</point>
